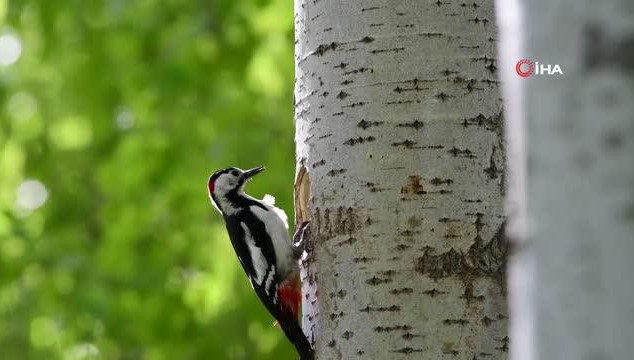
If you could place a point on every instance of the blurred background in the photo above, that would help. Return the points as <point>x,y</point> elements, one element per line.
<point>113,113</point>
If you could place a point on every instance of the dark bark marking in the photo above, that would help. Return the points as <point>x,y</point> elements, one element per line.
<point>352,105</point>
<point>408,144</point>
<point>401,247</point>
<point>401,291</point>
<point>477,20</point>
<point>434,292</point>
<point>324,48</point>
<point>347,335</point>
<point>334,316</point>
<point>359,70</point>
<point>342,95</point>
<point>481,259</point>
<point>484,58</point>
<point>462,153</point>
<point>416,124</point>
<point>461,322</point>
<point>414,222</point>
<point>359,140</point>
<point>486,321</point>
<point>380,329</point>
<point>393,308</point>
<point>504,347</point>
<point>414,186</point>
<point>491,123</point>
<point>409,336</point>
<point>335,172</point>
<point>399,102</point>
<point>319,163</point>
<point>378,51</point>
<point>442,96</point>
<point>439,181</point>
<point>340,294</point>
<point>470,201</point>
<point>479,224</point>
<point>441,192</point>
<point>468,294</point>
<point>435,34</point>
<point>377,281</point>
<point>489,63</point>
<point>416,88</point>
<point>432,147</point>
<point>343,222</point>
<point>366,124</point>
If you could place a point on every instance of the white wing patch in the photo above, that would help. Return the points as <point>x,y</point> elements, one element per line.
<point>277,228</point>
<point>282,215</point>
<point>269,279</point>
<point>269,199</point>
<point>257,258</point>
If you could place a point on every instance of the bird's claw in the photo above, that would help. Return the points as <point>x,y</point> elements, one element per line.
<point>300,238</point>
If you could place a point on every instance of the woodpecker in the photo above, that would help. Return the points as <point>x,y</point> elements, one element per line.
<point>259,234</point>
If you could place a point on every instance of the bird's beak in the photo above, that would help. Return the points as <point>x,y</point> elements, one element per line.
<point>252,172</point>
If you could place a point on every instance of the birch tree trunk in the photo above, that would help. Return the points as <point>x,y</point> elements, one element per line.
<point>400,165</point>
<point>572,293</point>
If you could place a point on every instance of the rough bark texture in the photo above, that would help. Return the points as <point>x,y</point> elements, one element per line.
<point>401,172</point>
<point>572,273</point>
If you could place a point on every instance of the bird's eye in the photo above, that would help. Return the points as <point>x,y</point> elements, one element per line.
<point>235,173</point>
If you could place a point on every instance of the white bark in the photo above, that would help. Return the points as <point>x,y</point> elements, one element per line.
<point>572,295</point>
<point>400,170</point>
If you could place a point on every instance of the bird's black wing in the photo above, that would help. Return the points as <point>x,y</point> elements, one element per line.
<point>254,248</point>
<point>247,230</point>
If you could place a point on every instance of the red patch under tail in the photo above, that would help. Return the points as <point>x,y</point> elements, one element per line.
<point>290,294</point>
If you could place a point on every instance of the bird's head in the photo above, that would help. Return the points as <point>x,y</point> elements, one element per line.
<point>225,184</point>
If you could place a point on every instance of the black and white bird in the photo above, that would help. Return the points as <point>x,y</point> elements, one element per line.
<point>259,234</point>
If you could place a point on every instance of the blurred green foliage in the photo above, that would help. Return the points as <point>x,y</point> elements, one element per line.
<point>113,113</point>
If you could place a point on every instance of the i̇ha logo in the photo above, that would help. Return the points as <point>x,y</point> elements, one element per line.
<point>526,68</point>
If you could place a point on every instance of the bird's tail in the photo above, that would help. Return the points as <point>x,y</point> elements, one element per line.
<point>295,334</point>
